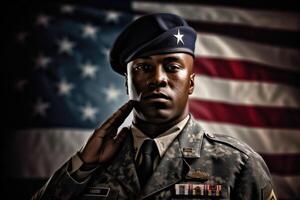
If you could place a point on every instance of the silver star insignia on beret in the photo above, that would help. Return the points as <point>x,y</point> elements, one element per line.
<point>179,37</point>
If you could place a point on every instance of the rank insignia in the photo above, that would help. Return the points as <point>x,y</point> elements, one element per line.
<point>189,152</point>
<point>272,196</point>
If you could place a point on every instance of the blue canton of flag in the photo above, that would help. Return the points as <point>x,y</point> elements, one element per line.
<point>67,80</point>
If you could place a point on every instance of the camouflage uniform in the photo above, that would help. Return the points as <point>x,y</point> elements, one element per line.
<point>194,157</point>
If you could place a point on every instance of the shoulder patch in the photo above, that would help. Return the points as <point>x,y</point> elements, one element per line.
<point>230,141</point>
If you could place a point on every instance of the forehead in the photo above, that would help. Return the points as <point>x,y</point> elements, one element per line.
<point>176,57</point>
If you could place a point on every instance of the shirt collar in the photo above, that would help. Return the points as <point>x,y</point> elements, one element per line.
<point>162,141</point>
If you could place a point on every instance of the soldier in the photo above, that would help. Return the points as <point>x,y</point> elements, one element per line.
<point>164,154</point>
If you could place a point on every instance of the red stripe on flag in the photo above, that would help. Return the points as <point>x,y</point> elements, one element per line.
<point>254,116</point>
<point>289,5</point>
<point>285,164</point>
<point>244,70</point>
<point>262,35</point>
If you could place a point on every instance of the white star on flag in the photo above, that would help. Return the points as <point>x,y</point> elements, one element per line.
<point>43,20</point>
<point>179,37</point>
<point>112,16</point>
<point>89,31</point>
<point>42,61</point>
<point>64,88</point>
<point>89,70</point>
<point>89,112</point>
<point>105,51</point>
<point>111,93</point>
<point>68,9</point>
<point>40,107</point>
<point>66,46</point>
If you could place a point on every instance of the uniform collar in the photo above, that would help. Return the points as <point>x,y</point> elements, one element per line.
<point>162,141</point>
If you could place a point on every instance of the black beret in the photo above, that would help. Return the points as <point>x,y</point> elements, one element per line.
<point>149,35</point>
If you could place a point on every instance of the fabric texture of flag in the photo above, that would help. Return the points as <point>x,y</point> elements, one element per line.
<point>60,85</point>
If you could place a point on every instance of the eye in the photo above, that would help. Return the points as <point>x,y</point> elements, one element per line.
<point>172,67</point>
<point>143,67</point>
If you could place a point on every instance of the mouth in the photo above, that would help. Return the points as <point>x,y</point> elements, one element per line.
<point>156,97</point>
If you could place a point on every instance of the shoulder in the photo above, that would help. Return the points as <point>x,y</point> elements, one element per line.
<point>221,141</point>
<point>236,148</point>
<point>231,143</point>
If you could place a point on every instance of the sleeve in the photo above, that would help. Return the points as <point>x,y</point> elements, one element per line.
<point>254,181</point>
<point>67,182</point>
<point>80,171</point>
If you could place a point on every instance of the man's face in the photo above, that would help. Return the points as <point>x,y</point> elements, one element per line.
<point>161,84</point>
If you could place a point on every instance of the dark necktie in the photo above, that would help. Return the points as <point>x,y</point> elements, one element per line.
<point>148,153</point>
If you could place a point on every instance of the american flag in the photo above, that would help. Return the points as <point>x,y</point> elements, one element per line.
<point>247,79</point>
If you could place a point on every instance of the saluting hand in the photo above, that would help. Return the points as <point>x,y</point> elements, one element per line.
<point>104,142</point>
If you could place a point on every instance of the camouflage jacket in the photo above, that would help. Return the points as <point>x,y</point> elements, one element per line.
<point>197,165</point>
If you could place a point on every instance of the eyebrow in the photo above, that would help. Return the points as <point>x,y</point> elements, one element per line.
<point>172,59</point>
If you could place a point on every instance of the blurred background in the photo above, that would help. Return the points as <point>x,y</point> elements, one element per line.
<point>58,85</point>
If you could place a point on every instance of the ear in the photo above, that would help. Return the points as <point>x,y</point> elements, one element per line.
<point>126,82</point>
<point>192,83</point>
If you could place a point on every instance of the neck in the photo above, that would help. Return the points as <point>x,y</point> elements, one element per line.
<point>153,129</point>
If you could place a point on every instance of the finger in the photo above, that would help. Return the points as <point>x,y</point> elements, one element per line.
<point>118,117</point>
<point>121,135</point>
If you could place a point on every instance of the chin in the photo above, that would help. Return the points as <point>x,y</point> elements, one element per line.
<point>156,115</point>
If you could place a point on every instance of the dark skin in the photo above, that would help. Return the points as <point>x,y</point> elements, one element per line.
<point>161,84</point>
<point>158,87</point>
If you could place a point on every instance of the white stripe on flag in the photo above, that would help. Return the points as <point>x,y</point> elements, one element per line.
<point>39,152</point>
<point>287,187</point>
<point>262,140</point>
<point>218,14</point>
<point>245,92</point>
<point>218,46</point>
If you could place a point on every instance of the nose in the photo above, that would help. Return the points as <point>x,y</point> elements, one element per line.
<point>158,78</point>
